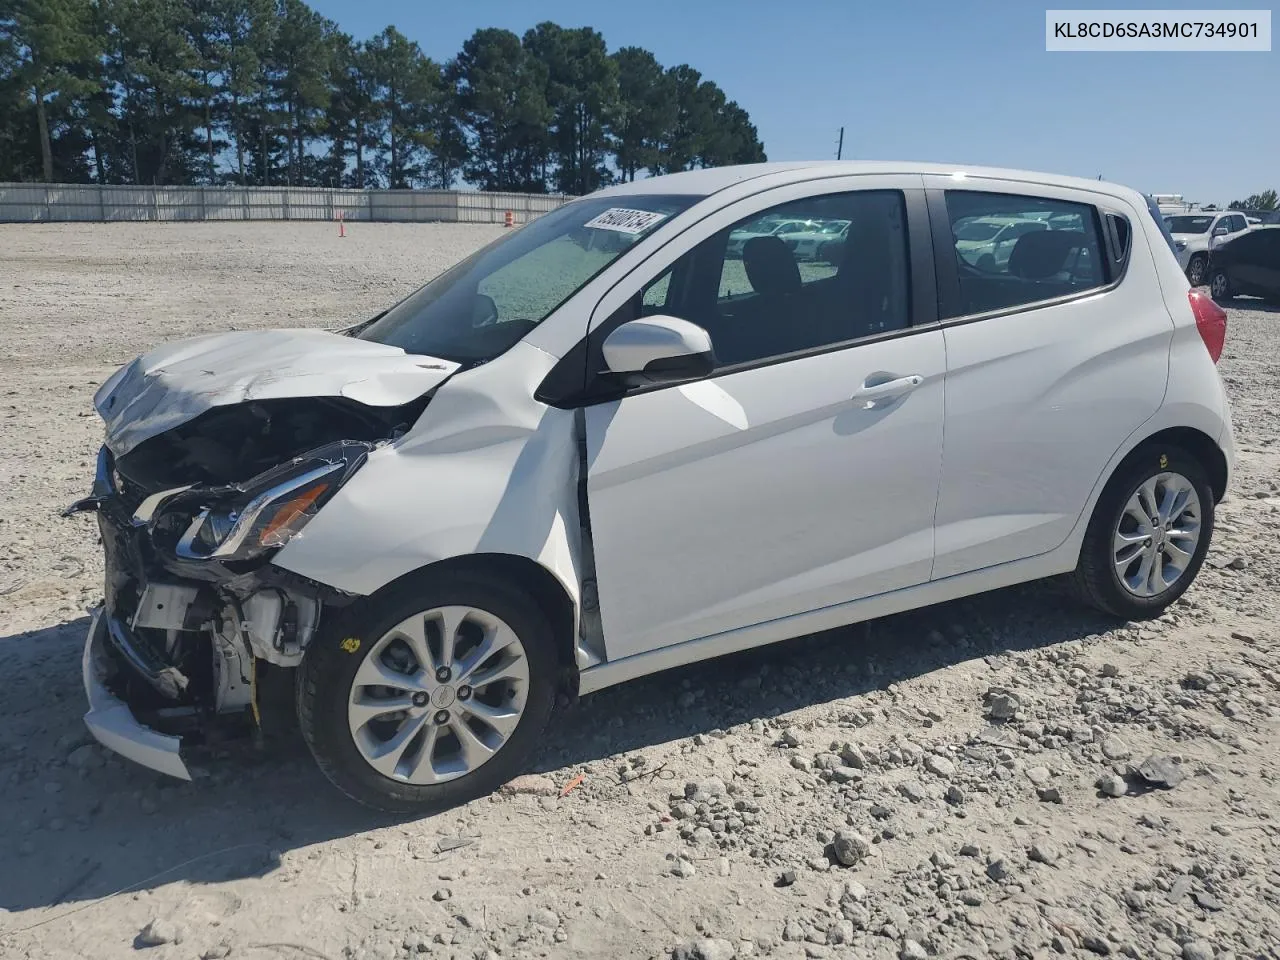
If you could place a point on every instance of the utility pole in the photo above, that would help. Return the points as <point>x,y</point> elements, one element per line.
<point>840,144</point>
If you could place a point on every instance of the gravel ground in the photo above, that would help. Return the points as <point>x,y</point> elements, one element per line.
<point>1006,776</point>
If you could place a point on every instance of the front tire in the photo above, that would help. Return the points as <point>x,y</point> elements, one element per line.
<point>429,694</point>
<point>1148,535</point>
<point>1195,269</point>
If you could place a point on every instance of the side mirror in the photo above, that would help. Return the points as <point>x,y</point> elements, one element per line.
<point>1220,231</point>
<point>658,349</point>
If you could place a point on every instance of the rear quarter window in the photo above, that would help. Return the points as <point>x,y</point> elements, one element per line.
<point>1054,249</point>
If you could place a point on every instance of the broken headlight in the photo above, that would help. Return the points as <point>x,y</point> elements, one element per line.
<point>273,507</point>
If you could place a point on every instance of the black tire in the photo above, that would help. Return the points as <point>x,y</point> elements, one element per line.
<point>1220,286</point>
<point>329,668</point>
<point>1095,579</point>
<point>1195,269</point>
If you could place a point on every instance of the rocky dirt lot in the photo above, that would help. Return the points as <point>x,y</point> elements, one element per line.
<point>1007,776</point>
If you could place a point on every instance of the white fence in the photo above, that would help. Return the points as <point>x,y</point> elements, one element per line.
<point>56,202</point>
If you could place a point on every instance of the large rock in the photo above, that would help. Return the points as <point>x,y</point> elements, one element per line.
<point>850,847</point>
<point>532,785</point>
<point>159,932</point>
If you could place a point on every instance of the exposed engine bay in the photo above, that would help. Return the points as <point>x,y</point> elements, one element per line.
<point>190,519</point>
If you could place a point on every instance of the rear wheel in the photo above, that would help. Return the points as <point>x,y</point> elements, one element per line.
<point>1220,285</point>
<point>1148,535</point>
<point>430,695</point>
<point>1195,269</point>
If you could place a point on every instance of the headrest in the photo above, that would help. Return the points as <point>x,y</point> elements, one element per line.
<point>1040,255</point>
<point>770,266</point>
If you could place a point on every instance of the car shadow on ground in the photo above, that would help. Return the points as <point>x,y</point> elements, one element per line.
<point>1252,304</point>
<point>71,832</point>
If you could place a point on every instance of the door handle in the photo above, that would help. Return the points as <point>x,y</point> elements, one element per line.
<point>871,392</point>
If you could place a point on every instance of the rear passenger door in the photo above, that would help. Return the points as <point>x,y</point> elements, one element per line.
<point>1052,361</point>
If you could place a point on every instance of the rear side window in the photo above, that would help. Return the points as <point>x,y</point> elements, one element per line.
<point>1119,235</point>
<point>1039,249</point>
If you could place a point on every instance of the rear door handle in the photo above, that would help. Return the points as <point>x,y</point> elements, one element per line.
<point>889,388</point>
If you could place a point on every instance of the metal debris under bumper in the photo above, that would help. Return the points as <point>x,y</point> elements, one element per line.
<point>112,722</point>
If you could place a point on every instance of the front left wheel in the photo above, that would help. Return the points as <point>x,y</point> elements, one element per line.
<point>431,694</point>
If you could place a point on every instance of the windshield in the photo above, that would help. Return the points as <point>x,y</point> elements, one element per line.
<point>482,306</point>
<point>1188,224</point>
<point>977,230</point>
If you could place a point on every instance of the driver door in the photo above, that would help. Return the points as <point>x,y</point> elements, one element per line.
<point>803,472</point>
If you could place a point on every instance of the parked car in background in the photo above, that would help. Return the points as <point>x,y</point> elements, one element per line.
<point>1248,265</point>
<point>1199,233</point>
<point>811,241</point>
<point>559,466</point>
<point>987,242</point>
<point>768,228</point>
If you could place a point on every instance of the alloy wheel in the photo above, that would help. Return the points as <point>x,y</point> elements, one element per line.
<point>1219,285</point>
<point>438,695</point>
<point>1195,272</point>
<point>1157,534</point>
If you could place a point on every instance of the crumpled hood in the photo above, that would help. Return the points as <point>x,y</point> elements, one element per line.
<point>177,382</point>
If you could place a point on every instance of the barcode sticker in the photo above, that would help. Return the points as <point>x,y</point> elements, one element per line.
<point>622,220</point>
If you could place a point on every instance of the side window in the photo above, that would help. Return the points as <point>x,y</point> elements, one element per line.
<point>1058,250</point>
<point>1238,222</point>
<point>654,297</point>
<point>1120,235</point>
<point>803,275</point>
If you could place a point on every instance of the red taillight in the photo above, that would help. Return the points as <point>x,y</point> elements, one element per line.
<point>1211,321</point>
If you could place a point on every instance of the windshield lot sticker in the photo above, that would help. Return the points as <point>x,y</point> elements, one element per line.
<point>622,220</point>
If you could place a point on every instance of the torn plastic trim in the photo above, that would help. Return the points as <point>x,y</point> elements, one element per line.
<point>111,721</point>
<point>168,680</point>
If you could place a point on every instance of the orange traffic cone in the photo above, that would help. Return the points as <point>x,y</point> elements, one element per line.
<point>509,220</point>
<point>342,226</point>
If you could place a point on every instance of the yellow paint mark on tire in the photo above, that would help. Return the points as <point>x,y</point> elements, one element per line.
<point>351,644</point>
<point>1164,460</point>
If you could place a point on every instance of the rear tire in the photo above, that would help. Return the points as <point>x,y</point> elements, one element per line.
<point>1195,269</point>
<point>1114,573</point>
<point>506,718</point>
<point>1220,286</point>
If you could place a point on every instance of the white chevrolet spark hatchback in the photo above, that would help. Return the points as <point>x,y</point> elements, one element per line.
<point>618,440</point>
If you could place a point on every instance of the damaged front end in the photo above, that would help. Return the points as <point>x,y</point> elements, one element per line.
<point>190,519</point>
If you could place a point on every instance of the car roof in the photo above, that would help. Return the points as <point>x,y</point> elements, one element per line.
<point>705,182</point>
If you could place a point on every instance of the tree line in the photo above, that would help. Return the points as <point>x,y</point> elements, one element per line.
<point>1262,202</point>
<point>268,92</point>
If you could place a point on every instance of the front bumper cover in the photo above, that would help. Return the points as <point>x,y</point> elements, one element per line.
<point>111,721</point>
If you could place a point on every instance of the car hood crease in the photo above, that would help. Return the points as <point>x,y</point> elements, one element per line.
<point>178,382</point>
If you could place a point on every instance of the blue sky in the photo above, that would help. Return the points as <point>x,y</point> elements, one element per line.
<point>965,82</point>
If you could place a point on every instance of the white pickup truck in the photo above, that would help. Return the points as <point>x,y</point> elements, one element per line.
<point>1196,234</point>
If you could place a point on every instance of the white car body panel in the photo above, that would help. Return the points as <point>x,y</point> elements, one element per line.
<point>176,383</point>
<point>1038,399</point>
<point>487,469</point>
<point>744,498</point>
